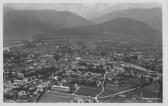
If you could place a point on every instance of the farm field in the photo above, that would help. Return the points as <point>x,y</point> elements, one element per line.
<point>118,99</point>
<point>128,84</point>
<point>53,96</point>
<point>88,91</point>
<point>129,97</point>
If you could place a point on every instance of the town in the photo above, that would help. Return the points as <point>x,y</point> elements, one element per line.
<point>61,70</point>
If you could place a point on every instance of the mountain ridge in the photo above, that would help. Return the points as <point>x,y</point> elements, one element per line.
<point>26,24</point>
<point>118,27</point>
<point>139,14</point>
<point>31,22</point>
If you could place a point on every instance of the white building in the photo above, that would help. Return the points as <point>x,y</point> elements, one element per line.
<point>60,88</point>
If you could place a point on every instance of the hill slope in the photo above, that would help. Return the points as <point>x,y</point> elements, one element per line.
<point>121,28</point>
<point>26,23</point>
<point>153,16</point>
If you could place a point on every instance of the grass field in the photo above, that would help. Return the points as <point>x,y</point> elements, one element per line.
<point>55,97</point>
<point>129,97</point>
<point>88,91</point>
<point>130,83</point>
<point>118,99</point>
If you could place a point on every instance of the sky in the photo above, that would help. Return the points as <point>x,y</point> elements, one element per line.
<point>87,10</point>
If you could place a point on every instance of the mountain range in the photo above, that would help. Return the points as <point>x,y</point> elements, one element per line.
<point>26,23</point>
<point>122,28</point>
<point>125,24</point>
<point>152,16</point>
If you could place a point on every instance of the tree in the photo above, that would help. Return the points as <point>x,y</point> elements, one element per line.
<point>160,90</point>
<point>20,75</point>
<point>128,70</point>
<point>56,56</point>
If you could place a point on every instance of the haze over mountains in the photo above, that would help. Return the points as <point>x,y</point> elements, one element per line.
<point>125,24</point>
<point>122,28</point>
<point>22,23</point>
<point>152,16</point>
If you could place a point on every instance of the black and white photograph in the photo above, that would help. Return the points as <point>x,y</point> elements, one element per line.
<point>98,52</point>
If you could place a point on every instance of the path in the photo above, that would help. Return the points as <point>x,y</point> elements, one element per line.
<point>102,85</point>
<point>120,92</point>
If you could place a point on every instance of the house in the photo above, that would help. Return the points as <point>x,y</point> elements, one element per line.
<point>60,88</point>
<point>43,85</point>
<point>77,100</point>
<point>64,80</point>
<point>40,88</point>
<point>22,93</point>
<point>25,79</point>
<point>141,74</point>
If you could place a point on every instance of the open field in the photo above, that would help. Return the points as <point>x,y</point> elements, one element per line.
<point>118,99</point>
<point>53,96</point>
<point>88,91</point>
<point>130,83</point>
<point>129,97</point>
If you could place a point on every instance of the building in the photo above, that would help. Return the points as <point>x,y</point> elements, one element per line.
<point>60,88</point>
<point>22,93</point>
<point>42,86</point>
<point>77,100</point>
